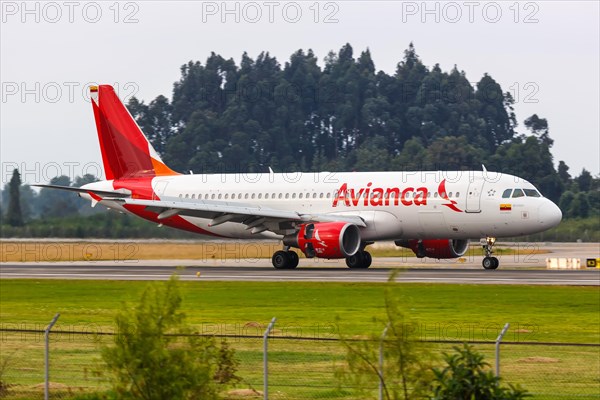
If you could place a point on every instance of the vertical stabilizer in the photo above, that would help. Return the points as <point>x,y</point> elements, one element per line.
<point>126,153</point>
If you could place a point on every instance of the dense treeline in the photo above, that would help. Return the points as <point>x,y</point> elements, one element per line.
<point>347,116</point>
<point>225,117</point>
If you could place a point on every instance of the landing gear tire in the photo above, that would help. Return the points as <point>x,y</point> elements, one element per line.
<point>362,259</point>
<point>294,259</point>
<point>490,263</point>
<point>285,259</point>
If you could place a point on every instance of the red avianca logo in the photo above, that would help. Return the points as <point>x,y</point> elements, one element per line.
<point>377,196</point>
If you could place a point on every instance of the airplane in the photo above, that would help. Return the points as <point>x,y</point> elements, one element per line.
<point>324,215</point>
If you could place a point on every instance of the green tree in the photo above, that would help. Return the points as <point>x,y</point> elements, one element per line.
<point>58,203</point>
<point>584,180</point>
<point>372,155</point>
<point>580,206</point>
<point>412,157</point>
<point>566,199</point>
<point>539,127</point>
<point>454,153</point>
<point>467,376</point>
<point>563,173</point>
<point>495,109</point>
<point>14,217</point>
<point>148,361</point>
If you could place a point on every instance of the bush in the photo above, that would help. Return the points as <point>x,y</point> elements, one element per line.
<point>467,376</point>
<point>156,355</point>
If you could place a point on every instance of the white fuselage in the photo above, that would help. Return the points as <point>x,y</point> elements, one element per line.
<point>394,205</point>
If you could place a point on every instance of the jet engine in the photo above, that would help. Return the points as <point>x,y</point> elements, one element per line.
<point>436,248</point>
<point>326,239</point>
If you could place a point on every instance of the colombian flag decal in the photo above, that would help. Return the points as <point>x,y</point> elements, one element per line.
<point>505,207</point>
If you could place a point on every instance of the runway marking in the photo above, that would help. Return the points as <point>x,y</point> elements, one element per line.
<point>352,277</point>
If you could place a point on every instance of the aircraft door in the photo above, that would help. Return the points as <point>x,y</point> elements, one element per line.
<point>474,195</point>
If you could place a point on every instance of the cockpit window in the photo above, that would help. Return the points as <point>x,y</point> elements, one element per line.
<point>506,193</point>
<point>518,193</point>
<point>532,193</point>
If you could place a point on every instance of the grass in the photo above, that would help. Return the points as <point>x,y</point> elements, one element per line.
<point>540,313</point>
<point>49,251</point>
<point>306,369</point>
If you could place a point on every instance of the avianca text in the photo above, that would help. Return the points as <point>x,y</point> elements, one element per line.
<point>376,196</point>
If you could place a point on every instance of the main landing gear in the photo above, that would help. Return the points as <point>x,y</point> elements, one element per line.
<point>285,259</point>
<point>362,259</point>
<point>489,262</point>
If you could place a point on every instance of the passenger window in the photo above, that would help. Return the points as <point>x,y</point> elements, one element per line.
<point>287,195</point>
<point>226,196</point>
<point>314,195</point>
<point>531,193</point>
<point>180,195</point>
<point>450,195</point>
<point>212,196</point>
<point>246,196</point>
<point>193,195</point>
<point>293,195</point>
<point>328,195</point>
<point>260,195</point>
<point>506,193</point>
<point>273,195</point>
<point>220,196</point>
<point>253,195</point>
<point>320,195</point>
<point>457,195</point>
<point>280,195</point>
<point>300,196</point>
<point>435,195</point>
<point>518,193</point>
<point>187,196</point>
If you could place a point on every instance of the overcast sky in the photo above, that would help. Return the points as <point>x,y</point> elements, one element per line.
<point>546,53</point>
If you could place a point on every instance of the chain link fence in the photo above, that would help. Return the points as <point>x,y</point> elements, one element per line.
<point>298,367</point>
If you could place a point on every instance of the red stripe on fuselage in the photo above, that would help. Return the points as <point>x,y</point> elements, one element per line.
<point>141,188</point>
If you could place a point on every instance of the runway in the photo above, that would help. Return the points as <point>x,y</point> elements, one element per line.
<point>150,271</point>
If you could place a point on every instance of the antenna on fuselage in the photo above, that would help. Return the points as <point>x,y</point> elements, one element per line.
<point>484,168</point>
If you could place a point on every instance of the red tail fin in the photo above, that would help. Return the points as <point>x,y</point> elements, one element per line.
<point>126,153</point>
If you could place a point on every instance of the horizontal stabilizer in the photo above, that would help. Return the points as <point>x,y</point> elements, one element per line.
<point>101,193</point>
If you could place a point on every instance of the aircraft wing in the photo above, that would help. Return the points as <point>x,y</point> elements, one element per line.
<point>255,217</point>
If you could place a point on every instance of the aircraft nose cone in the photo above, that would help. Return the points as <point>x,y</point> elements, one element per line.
<point>549,214</point>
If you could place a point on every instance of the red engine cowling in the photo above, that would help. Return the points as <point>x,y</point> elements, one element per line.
<point>326,240</point>
<point>436,248</point>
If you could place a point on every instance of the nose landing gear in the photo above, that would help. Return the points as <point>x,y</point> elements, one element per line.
<point>489,262</point>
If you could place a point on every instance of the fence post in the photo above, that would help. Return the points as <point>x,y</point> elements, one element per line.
<point>265,359</point>
<point>383,335</point>
<point>498,340</point>
<point>47,357</point>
